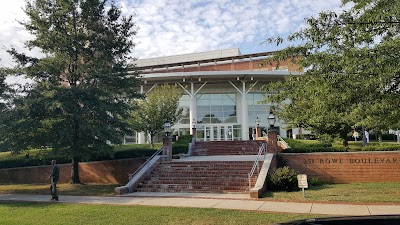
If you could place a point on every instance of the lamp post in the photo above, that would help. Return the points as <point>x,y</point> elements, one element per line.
<point>258,128</point>
<point>167,128</point>
<point>272,134</point>
<point>167,142</point>
<point>271,119</point>
<point>194,128</point>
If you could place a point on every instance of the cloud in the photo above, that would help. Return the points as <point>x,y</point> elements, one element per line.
<point>168,27</point>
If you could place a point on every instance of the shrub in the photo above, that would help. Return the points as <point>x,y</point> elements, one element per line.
<point>393,147</point>
<point>311,149</point>
<point>300,147</point>
<point>45,157</point>
<point>307,136</point>
<point>315,181</point>
<point>182,144</point>
<point>284,179</point>
<point>326,139</point>
<point>14,163</point>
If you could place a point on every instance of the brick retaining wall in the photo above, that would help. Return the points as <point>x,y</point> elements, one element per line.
<point>346,167</point>
<point>103,172</point>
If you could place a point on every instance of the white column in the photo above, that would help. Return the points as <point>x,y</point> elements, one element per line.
<point>245,114</point>
<point>140,135</point>
<point>193,107</point>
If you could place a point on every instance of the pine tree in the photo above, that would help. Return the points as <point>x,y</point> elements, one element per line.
<point>79,100</point>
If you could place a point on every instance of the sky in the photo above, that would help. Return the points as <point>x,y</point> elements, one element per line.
<point>170,27</point>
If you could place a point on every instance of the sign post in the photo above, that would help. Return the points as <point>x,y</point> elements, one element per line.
<point>302,182</point>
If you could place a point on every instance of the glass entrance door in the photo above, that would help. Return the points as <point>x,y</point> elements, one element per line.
<point>208,133</point>
<point>218,133</point>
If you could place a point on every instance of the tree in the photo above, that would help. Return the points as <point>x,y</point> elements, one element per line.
<point>79,100</point>
<point>5,90</point>
<point>161,105</point>
<point>350,70</point>
<point>5,93</point>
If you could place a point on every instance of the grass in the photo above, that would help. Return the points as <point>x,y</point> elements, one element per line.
<point>63,189</point>
<point>59,213</point>
<point>356,192</point>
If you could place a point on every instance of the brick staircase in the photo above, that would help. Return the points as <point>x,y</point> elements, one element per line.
<point>199,176</point>
<point>214,167</point>
<point>227,148</point>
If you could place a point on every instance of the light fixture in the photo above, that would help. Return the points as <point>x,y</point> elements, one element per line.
<point>193,123</point>
<point>167,128</point>
<point>258,122</point>
<point>271,119</point>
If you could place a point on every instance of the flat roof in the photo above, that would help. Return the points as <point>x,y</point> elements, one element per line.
<point>191,57</point>
<point>194,62</point>
<point>215,76</point>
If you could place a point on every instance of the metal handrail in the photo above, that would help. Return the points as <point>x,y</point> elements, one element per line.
<point>130,176</point>
<point>261,151</point>
<point>283,141</point>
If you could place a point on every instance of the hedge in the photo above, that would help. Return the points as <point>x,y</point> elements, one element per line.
<point>182,144</point>
<point>381,148</point>
<point>314,149</point>
<point>300,147</point>
<point>123,152</point>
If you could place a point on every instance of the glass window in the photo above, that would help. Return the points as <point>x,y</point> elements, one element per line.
<point>216,108</point>
<point>184,104</point>
<point>257,109</point>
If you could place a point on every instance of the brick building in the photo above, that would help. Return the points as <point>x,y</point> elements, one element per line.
<point>222,90</point>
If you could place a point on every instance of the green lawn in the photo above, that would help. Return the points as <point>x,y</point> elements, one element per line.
<point>356,192</point>
<point>63,189</point>
<point>59,213</point>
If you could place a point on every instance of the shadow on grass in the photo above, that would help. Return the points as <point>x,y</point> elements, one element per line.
<point>18,205</point>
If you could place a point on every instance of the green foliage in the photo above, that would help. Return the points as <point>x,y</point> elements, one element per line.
<point>297,146</point>
<point>79,100</point>
<point>326,139</point>
<point>160,105</point>
<point>182,144</point>
<point>315,181</point>
<point>44,157</point>
<point>307,136</point>
<point>309,149</point>
<point>283,178</point>
<point>381,147</point>
<point>351,71</point>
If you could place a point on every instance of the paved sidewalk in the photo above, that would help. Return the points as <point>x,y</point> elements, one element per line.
<point>218,202</point>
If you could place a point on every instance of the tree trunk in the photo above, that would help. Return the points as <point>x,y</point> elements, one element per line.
<point>380,136</point>
<point>152,140</point>
<point>344,137</point>
<point>75,171</point>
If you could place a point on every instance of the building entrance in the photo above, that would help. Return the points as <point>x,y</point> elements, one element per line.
<point>218,133</point>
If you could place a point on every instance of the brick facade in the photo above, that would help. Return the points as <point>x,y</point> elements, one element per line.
<point>104,172</point>
<point>346,167</point>
<point>249,65</point>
